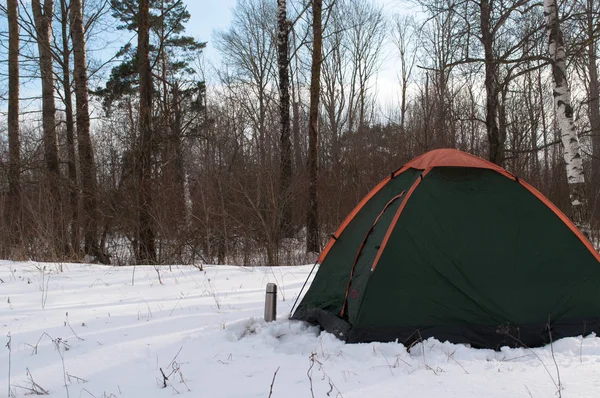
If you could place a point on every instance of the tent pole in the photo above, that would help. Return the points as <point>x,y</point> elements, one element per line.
<point>301,290</point>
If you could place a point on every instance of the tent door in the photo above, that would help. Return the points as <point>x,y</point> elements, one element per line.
<point>361,269</point>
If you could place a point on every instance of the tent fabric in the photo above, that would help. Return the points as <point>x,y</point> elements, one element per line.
<point>453,247</point>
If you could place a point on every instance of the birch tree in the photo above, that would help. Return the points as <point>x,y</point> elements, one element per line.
<point>564,114</point>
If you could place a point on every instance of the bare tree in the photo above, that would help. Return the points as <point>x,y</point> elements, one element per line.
<point>204,171</point>
<point>43,27</point>
<point>14,166</point>
<point>296,99</point>
<point>248,47</point>
<point>591,32</point>
<point>312,219</point>
<point>334,72</point>
<point>441,42</point>
<point>67,99</point>
<point>497,20</point>
<point>366,33</point>
<point>498,42</point>
<point>249,78</point>
<point>283,27</point>
<point>564,114</point>
<point>84,142</point>
<point>496,139</point>
<point>403,36</point>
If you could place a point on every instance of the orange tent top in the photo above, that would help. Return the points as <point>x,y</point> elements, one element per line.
<point>451,158</point>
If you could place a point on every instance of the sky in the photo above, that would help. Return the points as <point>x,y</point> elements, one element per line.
<point>208,16</point>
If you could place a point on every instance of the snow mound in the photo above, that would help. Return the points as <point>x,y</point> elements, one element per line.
<point>272,333</point>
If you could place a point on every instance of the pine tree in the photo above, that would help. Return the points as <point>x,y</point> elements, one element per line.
<point>155,70</point>
<point>169,49</point>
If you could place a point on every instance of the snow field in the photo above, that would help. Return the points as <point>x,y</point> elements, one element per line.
<point>88,332</point>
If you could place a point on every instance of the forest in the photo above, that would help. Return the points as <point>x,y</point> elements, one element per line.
<point>117,148</point>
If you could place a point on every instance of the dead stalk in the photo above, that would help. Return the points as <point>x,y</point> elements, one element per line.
<point>8,345</point>
<point>273,382</point>
<point>559,387</point>
<point>57,342</point>
<point>69,325</point>
<point>35,388</point>
<point>556,384</point>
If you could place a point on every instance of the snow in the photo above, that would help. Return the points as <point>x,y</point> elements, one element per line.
<point>87,332</point>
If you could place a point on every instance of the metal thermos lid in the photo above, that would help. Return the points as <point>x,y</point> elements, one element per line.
<point>271,288</point>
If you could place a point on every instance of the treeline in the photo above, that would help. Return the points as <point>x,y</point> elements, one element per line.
<point>260,162</point>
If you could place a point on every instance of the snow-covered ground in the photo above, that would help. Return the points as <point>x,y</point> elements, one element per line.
<point>87,332</point>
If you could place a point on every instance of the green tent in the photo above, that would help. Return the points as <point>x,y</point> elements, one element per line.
<point>454,247</point>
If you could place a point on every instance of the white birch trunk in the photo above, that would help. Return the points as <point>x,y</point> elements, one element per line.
<point>564,114</point>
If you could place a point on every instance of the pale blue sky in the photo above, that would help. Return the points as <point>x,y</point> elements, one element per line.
<point>210,15</point>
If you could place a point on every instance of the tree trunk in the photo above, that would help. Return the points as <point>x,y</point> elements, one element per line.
<point>13,210</point>
<point>176,151</point>
<point>84,142</point>
<point>174,167</point>
<point>564,115</point>
<point>440,129</point>
<point>531,105</point>
<point>546,171</point>
<point>594,100</point>
<point>312,219</point>
<point>296,134</point>
<point>296,103</point>
<point>285,165</point>
<point>403,99</point>
<point>146,234</point>
<point>70,130</point>
<point>43,27</point>
<point>495,140</point>
<point>296,128</point>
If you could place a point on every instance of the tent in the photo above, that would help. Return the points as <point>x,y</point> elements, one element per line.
<point>457,248</point>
